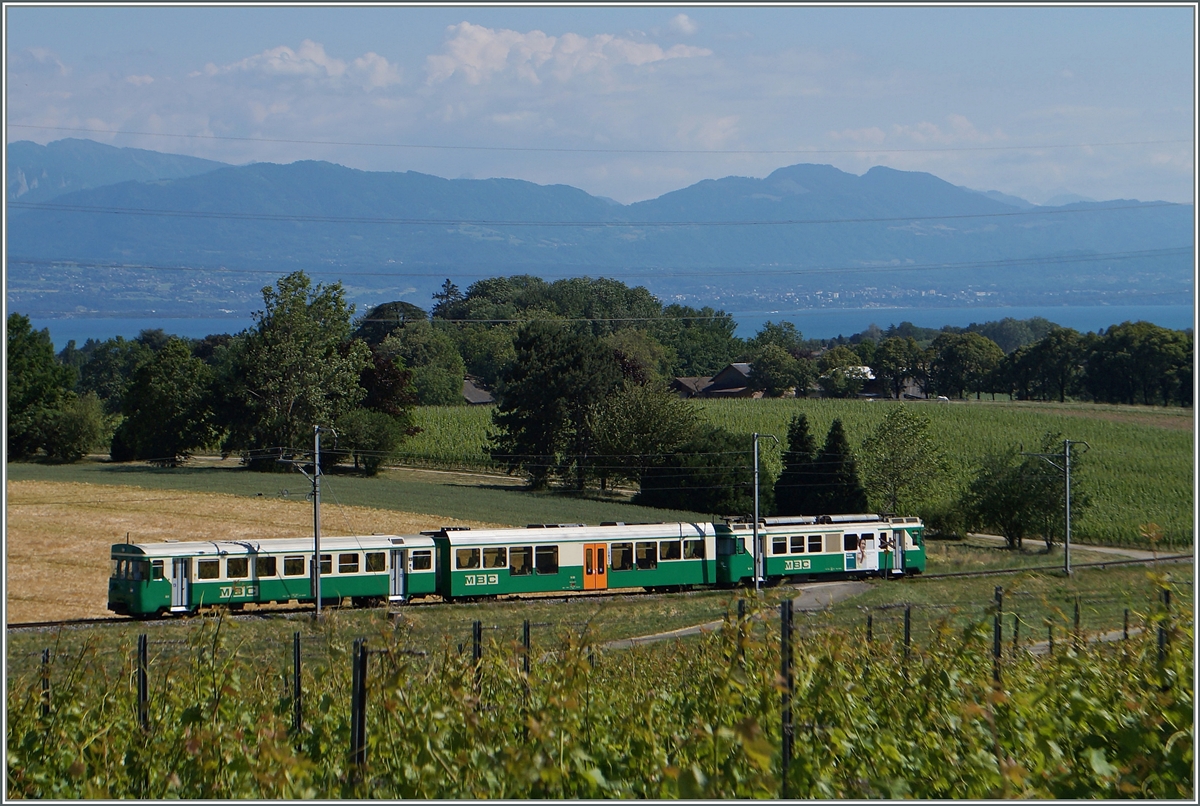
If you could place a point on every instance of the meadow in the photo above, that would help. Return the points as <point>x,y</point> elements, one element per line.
<point>1138,470</point>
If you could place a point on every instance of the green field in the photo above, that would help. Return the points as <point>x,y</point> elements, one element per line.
<point>1139,469</point>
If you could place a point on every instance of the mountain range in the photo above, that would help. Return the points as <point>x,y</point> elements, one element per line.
<point>99,229</point>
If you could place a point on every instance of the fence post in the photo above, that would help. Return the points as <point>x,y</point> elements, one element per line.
<point>297,712</point>
<point>741,631</point>
<point>46,682</point>
<point>870,628</point>
<point>477,652</point>
<point>998,595</point>
<point>358,704</point>
<point>525,645</point>
<point>143,685</point>
<point>907,634</point>
<point>785,663</point>
<point>1050,635</point>
<point>1077,634</point>
<point>1126,632</point>
<point>1016,635</point>
<point>996,648</point>
<point>1162,626</point>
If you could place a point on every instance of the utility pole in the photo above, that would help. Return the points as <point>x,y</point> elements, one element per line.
<point>315,478</point>
<point>758,548</point>
<point>1065,467</point>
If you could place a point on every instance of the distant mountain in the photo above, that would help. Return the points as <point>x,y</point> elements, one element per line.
<point>806,235</point>
<point>995,195</point>
<point>1063,199</point>
<point>37,173</point>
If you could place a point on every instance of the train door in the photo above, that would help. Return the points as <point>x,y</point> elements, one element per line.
<point>595,566</point>
<point>898,552</point>
<point>181,583</point>
<point>399,576</point>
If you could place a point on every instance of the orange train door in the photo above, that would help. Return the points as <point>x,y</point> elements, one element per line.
<point>595,566</point>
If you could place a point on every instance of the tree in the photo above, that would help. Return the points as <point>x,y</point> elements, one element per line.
<point>963,362</point>
<point>430,355</point>
<point>544,400</point>
<point>895,362</point>
<point>77,428</point>
<point>840,491</point>
<point>371,437</point>
<point>168,408</point>
<point>109,368</point>
<point>38,387</point>
<point>775,371</point>
<point>291,371</point>
<point>781,334</point>
<point>635,426</point>
<point>901,464</point>
<point>642,358</point>
<point>841,373</point>
<point>379,322</point>
<point>711,472</point>
<point>703,339</point>
<point>796,488</point>
<point>1023,496</point>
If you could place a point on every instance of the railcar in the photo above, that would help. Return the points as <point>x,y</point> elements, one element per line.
<point>459,563</point>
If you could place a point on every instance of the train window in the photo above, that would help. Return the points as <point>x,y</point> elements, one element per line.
<point>237,568</point>
<point>833,543</point>
<point>422,560</point>
<point>898,538</point>
<point>141,570</point>
<point>779,545</point>
<point>348,563</point>
<point>726,546</point>
<point>156,569</point>
<point>293,566</point>
<point>116,572</point>
<point>545,559</point>
<point>495,558</point>
<point>814,544</point>
<point>797,544</point>
<point>669,550</point>
<point>520,561</point>
<point>208,569</point>
<point>622,556</point>
<point>850,543</point>
<point>693,549</point>
<point>376,561</point>
<point>646,555</point>
<point>326,563</point>
<point>467,558</point>
<point>265,567</point>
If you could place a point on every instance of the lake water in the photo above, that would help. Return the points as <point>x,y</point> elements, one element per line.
<point>812,323</point>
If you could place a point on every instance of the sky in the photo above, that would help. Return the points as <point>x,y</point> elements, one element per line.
<point>630,102</point>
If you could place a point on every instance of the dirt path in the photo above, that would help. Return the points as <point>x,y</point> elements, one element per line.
<point>1120,551</point>
<point>811,596</point>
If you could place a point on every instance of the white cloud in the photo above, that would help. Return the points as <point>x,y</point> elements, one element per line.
<point>310,61</point>
<point>139,81</point>
<point>683,24</point>
<point>477,53</point>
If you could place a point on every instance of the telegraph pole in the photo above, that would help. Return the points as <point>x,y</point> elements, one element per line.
<point>1065,467</point>
<point>315,478</point>
<point>758,549</point>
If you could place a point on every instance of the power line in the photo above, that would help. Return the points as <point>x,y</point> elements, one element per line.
<point>546,149</point>
<point>457,222</point>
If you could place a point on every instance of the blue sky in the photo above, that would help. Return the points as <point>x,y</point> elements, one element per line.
<point>631,102</point>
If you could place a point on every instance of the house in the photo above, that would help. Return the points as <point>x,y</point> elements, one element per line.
<point>733,381</point>
<point>476,395</point>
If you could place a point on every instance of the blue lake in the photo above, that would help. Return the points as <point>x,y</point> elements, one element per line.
<point>812,323</point>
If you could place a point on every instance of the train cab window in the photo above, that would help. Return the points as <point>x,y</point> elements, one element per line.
<point>348,563</point>
<point>156,569</point>
<point>237,567</point>
<point>520,561</point>
<point>646,555</point>
<point>779,545</point>
<point>797,544</point>
<point>622,556</point>
<point>669,550</point>
<point>422,560</point>
<point>850,543</point>
<point>140,569</point>
<point>376,561</point>
<point>467,558</point>
<point>326,563</point>
<point>265,566</point>
<point>117,569</point>
<point>814,544</point>
<point>693,549</point>
<point>495,558</point>
<point>293,566</point>
<point>208,569</point>
<point>545,559</point>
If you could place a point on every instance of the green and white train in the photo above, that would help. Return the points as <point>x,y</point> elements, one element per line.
<point>454,563</point>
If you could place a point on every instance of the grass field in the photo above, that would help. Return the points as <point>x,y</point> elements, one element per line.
<point>1138,471</point>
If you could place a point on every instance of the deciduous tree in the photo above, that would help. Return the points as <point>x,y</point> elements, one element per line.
<point>901,465</point>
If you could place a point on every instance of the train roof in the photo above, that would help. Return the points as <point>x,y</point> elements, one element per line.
<point>170,548</point>
<point>575,533</point>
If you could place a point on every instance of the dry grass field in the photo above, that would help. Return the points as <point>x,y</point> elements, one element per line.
<point>58,535</point>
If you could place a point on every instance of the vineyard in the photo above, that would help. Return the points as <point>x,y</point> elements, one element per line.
<point>943,709</point>
<point>1138,471</point>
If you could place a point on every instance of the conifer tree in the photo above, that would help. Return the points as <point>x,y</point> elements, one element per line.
<point>796,488</point>
<point>840,490</point>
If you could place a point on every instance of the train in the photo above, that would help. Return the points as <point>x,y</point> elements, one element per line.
<point>459,563</point>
